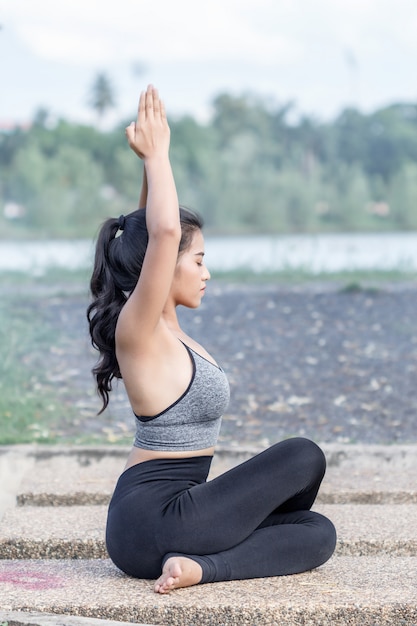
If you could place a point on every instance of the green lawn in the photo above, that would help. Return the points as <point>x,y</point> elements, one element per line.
<point>29,405</point>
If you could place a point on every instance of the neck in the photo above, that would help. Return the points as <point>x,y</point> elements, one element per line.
<point>169,315</point>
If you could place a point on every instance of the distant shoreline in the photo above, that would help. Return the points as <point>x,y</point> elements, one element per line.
<point>288,255</point>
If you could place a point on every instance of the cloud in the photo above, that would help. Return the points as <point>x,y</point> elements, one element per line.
<point>98,32</point>
<point>322,54</point>
<point>266,32</point>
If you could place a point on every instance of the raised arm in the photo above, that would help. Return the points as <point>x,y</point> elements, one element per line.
<point>144,190</point>
<point>149,138</point>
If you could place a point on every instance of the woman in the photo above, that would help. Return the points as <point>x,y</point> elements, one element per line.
<point>253,521</point>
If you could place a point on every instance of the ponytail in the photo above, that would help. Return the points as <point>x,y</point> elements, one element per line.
<point>104,310</point>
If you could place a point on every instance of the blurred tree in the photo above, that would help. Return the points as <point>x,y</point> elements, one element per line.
<point>41,117</point>
<point>403,197</point>
<point>349,137</point>
<point>102,96</point>
<point>391,139</point>
<point>248,169</point>
<point>235,115</point>
<point>10,144</point>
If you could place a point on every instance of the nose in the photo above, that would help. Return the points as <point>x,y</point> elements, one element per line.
<point>206,274</point>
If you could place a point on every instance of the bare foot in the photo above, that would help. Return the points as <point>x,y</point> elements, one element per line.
<point>178,571</point>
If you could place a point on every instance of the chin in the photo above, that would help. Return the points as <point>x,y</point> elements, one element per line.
<point>191,304</point>
<point>196,303</point>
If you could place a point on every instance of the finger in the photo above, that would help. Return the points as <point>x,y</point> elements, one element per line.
<point>156,101</point>
<point>162,109</point>
<point>149,101</point>
<point>141,106</point>
<point>130,132</point>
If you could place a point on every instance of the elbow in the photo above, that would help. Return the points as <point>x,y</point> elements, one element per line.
<point>167,232</point>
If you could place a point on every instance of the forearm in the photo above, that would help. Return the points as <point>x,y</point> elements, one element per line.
<point>162,214</point>
<point>144,191</point>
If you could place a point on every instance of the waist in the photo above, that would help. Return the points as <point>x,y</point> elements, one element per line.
<point>140,455</point>
<point>158,479</point>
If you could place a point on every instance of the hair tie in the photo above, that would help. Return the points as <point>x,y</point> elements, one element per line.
<point>122,222</point>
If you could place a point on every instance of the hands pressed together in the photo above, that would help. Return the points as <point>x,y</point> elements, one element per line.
<point>149,136</point>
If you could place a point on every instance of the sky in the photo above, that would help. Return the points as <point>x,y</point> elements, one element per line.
<point>322,55</point>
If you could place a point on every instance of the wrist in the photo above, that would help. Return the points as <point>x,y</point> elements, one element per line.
<point>156,163</point>
<point>162,157</point>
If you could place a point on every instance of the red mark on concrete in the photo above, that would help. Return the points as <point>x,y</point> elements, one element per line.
<point>28,577</point>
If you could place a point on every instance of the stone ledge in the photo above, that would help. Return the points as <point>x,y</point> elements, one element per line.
<point>325,496</point>
<point>347,590</point>
<point>59,475</point>
<point>78,531</point>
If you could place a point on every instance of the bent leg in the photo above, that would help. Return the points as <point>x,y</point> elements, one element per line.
<point>254,521</point>
<point>217,515</point>
<point>300,541</point>
<point>165,507</point>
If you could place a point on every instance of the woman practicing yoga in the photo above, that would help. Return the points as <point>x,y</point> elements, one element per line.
<point>165,520</point>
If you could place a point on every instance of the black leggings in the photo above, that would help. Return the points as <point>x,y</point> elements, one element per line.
<point>252,521</point>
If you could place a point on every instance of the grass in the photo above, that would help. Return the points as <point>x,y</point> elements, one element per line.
<point>80,278</point>
<point>11,280</point>
<point>300,276</point>
<point>29,406</point>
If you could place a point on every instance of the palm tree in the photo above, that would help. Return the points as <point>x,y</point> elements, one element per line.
<point>102,95</point>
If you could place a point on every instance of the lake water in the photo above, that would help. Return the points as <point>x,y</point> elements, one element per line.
<point>315,253</point>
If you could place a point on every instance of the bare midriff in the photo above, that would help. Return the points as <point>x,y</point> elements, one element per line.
<point>139,455</point>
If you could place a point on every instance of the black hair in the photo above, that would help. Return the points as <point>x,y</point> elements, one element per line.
<point>118,262</point>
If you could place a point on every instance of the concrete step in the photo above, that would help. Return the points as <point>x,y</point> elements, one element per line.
<point>82,475</point>
<point>53,558</point>
<point>35,618</point>
<point>367,591</point>
<point>78,531</point>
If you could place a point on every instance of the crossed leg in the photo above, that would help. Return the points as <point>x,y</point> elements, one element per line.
<point>253,521</point>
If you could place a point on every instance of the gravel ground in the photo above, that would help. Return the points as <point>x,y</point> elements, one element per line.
<point>314,360</point>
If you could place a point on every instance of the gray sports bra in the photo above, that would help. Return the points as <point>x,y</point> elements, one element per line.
<point>193,421</point>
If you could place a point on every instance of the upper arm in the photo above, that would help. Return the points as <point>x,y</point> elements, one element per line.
<point>142,312</point>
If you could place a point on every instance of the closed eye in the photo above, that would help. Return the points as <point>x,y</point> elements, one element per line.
<point>200,256</point>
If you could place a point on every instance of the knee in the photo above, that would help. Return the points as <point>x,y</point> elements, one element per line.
<point>327,539</point>
<point>310,455</point>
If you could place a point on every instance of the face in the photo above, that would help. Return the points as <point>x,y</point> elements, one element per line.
<point>190,274</point>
